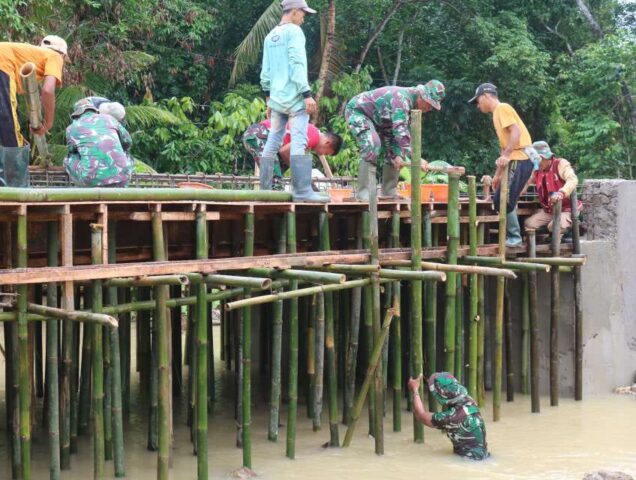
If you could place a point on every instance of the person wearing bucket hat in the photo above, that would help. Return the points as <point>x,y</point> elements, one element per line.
<point>516,152</point>
<point>379,121</point>
<point>98,147</point>
<point>554,180</point>
<point>460,418</point>
<point>284,78</point>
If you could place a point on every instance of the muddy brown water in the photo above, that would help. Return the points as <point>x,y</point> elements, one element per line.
<point>560,443</point>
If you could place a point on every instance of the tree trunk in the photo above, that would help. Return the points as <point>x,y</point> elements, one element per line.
<point>398,61</point>
<point>382,68</point>
<point>585,11</point>
<point>323,75</point>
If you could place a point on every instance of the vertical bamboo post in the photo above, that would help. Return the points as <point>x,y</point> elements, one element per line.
<point>578,303</point>
<point>459,329</point>
<point>367,297</point>
<point>23,346</point>
<point>450,320</point>
<point>292,408</point>
<point>247,352</point>
<point>163,366</point>
<point>555,307</point>
<point>116,370</point>
<point>97,359</point>
<point>320,361</point>
<point>481,327</point>
<point>417,360</point>
<point>68,303</point>
<point>396,334</point>
<point>201,350</point>
<point>354,334</point>
<point>534,327</point>
<point>108,389</point>
<point>510,387</point>
<point>74,383</point>
<point>498,344</point>
<point>277,345</point>
<point>473,315</point>
<point>36,329</point>
<point>525,335</point>
<point>125,350</point>
<point>237,238</point>
<point>153,379</point>
<point>52,342</point>
<point>430,314</point>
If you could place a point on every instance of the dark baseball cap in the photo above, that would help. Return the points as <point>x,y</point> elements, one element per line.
<point>483,88</point>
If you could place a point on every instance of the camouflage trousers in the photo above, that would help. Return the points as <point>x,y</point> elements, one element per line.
<point>254,140</point>
<point>372,145</point>
<point>100,170</point>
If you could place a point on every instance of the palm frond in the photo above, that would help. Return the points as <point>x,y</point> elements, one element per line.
<point>143,116</point>
<point>248,52</point>
<point>138,60</point>
<point>66,98</point>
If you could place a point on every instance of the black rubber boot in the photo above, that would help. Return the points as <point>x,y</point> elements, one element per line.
<point>301,166</point>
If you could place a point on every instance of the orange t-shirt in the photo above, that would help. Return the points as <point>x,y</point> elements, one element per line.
<point>14,55</point>
<point>503,117</point>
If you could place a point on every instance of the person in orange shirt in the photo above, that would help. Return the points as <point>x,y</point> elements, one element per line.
<point>49,62</point>
<point>516,152</point>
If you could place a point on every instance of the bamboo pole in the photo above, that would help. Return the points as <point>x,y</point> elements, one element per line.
<point>555,306</point>
<point>367,298</point>
<point>74,316</point>
<point>162,355</point>
<point>396,334</point>
<point>23,347</point>
<point>52,341</point>
<point>525,336</point>
<point>97,360</point>
<point>108,396</point>
<point>201,350</point>
<point>330,341</point>
<point>459,330</point>
<point>464,269</point>
<point>473,314</point>
<point>558,261</point>
<point>353,269</point>
<point>277,345</point>
<point>481,328</point>
<point>510,390</point>
<point>247,353</point>
<point>498,343</point>
<point>373,364</point>
<point>148,281</point>
<point>416,355</point>
<point>116,373</point>
<point>319,362</point>
<point>306,275</point>
<point>96,195</point>
<point>311,354</point>
<point>520,266</point>
<point>430,310</point>
<point>34,109</point>
<point>292,408</point>
<point>450,320</point>
<point>412,275</point>
<point>67,394</point>
<point>84,406</point>
<point>354,334</point>
<point>235,281</point>
<point>534,327</point>
<point>578,303</point>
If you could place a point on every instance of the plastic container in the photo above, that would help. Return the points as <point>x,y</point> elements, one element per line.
<point>430,192</point>
<point>340,194</point>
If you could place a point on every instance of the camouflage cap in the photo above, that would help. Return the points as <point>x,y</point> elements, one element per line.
<point>82,106</point>
<point>543,149</point>
<point>446,389</point>
<point>433,92</point>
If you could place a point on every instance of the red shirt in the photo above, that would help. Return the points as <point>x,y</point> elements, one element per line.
<point>313,135</point>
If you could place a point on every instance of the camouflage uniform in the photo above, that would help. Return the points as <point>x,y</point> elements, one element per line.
<point>254,140</point>
<point>461,421</point>
<point>379,119</point>
<point>97,151</point>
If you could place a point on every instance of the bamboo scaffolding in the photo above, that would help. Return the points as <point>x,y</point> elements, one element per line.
<point>277,345</point>
<point>473,315</point>
<point>416,355</point>
<point>97,362</point>
<point>292,408</point>
<point>201,318</point>
<point>247,353</point>
<point>578,303</point>
<point>534,327</point>
<point>501,282</point>
<point>555,306</point>
<point>52,368</point>
<point>330,340</point>
<point>450,320</point>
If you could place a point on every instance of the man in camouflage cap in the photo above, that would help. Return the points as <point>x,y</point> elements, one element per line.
<point>460,420</point>
<point>98,146</point>
<point>379,120</point>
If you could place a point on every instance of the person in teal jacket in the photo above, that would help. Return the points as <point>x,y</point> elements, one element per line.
<point>284,79</point>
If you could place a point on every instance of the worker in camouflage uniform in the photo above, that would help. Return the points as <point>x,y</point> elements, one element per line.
<point>461,420</point>
<point>98,146</point>
<point>379,120</point>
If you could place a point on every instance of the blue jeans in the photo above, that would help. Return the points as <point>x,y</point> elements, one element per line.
<point>519,172</point>
<point>298,122</point>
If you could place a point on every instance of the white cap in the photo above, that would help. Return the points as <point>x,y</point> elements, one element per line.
<point>114,109</point>
<point>296,4</point>
<point>55,43</point>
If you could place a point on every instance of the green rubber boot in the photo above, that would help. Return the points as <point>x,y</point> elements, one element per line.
<point>301,180</point>
<point>362,192</point>
<point>267,172</point>
<point>390,177</point>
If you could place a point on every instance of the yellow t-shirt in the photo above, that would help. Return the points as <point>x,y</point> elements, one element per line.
<point>504,116</point>
<point>14,55</point>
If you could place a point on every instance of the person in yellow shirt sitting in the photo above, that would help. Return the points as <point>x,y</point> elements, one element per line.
<point>516,152</point>
<point>48,59</point>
